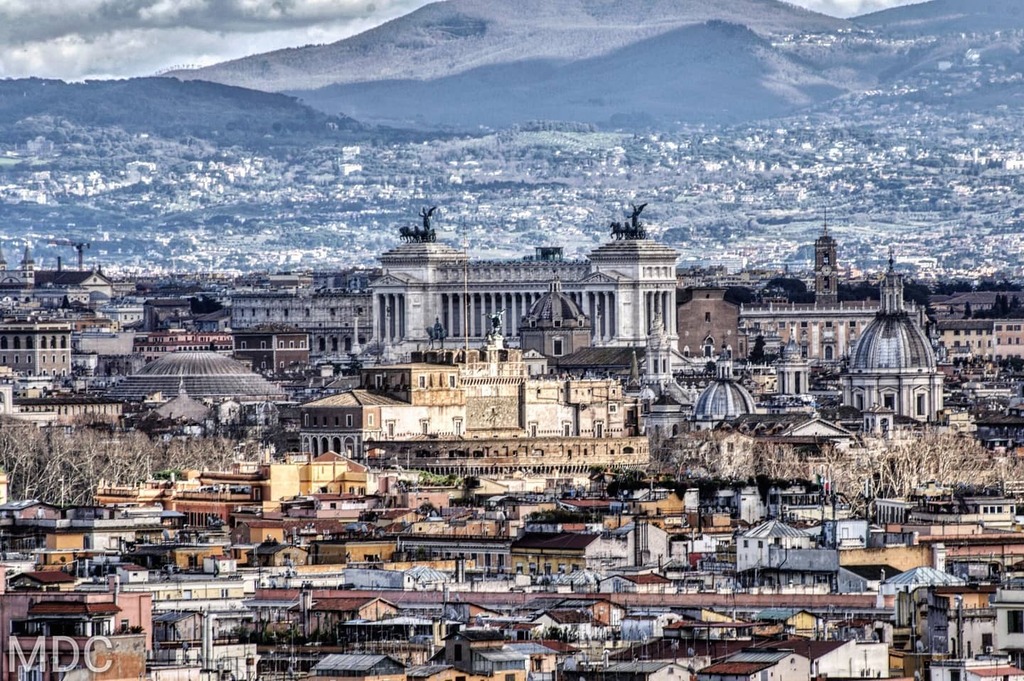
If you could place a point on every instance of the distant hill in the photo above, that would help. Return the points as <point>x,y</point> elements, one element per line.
<point>465,62</point>
<point>161,106</point>
<point>709,72</point>
<point>939,17</point>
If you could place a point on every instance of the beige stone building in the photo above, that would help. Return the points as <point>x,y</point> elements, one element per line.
<point>967,339</point>
<point>36,348</point>
<point>477,412</point>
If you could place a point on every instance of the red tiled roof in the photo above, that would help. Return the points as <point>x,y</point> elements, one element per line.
<point>995,671</point>
<point>257,524</point>
<point>46,576</point>
<point>696,624</point>
<point>734,668</point>
<point>72,608</point>
<point>330,457</point>
<point>649,578</point>
<point>812,650</point>
<point>557,646</point>
<point>343,604</point>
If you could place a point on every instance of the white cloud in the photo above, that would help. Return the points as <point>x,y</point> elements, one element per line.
<point>79,39</point>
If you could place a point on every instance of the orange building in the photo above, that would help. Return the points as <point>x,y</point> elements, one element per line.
<point>201,496</point>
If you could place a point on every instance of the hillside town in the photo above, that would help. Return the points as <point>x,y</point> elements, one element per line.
<point>530,469</point>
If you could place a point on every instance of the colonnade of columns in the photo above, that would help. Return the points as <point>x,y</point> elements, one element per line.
<point>599,306</point>
<point>659,300</point>
<point>466,316</point>
<point>391,316</point>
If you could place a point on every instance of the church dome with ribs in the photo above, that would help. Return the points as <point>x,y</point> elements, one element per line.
<point>892,341</point>
<point>724,399</point>
<point>199,375</point>
<point>555,306</point>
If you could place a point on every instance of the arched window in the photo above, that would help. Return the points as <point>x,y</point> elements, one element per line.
<point>3,342</point>
<point>28,342</point>
<point>17,342</point>
<point>63,342</point>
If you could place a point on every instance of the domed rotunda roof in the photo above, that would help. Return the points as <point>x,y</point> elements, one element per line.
<point>199,374</point>
<point>892,340</point>
<point>724,399</point>
<point>554,306</point>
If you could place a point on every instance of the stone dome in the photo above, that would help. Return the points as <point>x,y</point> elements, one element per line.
<point>554,306</point>
<point>723,400</point>
<point>892,341</point>
<point>199,374</point>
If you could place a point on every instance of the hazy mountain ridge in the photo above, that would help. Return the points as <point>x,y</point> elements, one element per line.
<point>939,17</point>
<point>674,77</point>
<point>449,38</point>
<point>160,106</point>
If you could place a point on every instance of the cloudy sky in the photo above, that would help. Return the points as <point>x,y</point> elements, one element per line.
<point>78,39</point>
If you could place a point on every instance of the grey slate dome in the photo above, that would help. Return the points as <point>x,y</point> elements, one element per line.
<point>554,306</point>
<point>722,401</point>
<point>724,398</point>
<point>199,375</point>
<point>892,341</point>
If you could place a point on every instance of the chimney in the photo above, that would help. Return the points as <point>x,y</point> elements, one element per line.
<point>58,263</point>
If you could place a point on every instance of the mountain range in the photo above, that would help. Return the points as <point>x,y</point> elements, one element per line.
<point>162,107</point>
<point>625,64</point>
<point>621,63</point>
<point>491,62</point>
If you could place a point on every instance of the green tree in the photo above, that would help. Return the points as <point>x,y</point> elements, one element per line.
<point>757,352</point>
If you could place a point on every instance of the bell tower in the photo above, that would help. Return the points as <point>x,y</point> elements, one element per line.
<point>826,280</point>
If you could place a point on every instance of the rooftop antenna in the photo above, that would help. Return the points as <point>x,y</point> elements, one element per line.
<point>824,224</point>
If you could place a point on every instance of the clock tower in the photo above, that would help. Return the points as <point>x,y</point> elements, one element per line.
<point>826,279</point>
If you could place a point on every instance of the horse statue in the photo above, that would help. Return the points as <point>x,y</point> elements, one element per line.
<point>437,333</point>
<point>420,235</point>
<point>633,229</point>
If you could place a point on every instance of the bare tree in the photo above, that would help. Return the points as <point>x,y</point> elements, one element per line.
<point>64,466</point>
